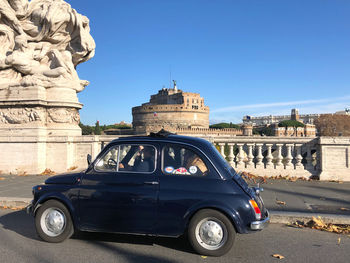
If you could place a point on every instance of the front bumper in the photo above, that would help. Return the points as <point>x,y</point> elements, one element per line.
<point>259,225</point>
<point>29,208</point>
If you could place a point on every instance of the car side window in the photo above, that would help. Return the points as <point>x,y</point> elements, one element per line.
<point>134,158</point>
<point>109,162</point>
<point>137,158</point>
<point>180,160</point>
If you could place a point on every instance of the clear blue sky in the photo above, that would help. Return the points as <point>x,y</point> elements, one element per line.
<point>244,57</point>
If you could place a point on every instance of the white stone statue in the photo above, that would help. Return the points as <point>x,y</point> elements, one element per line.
<point>41,43</point>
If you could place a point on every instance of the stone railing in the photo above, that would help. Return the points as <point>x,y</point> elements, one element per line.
<point>271,156</point>
<point>327,158</point>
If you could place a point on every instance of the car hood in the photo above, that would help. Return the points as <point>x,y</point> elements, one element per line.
<point>70,178</point>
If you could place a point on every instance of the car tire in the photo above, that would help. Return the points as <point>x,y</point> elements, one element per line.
<point>53,222</point>
<point>211,233</point>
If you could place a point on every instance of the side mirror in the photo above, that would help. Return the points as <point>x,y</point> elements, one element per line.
<point>88,158</point>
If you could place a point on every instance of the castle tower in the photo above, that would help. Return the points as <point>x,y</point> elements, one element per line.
<point>294,116</point>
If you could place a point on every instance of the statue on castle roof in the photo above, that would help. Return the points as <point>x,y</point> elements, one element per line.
<point>175,87</point>
<point>41,43</point>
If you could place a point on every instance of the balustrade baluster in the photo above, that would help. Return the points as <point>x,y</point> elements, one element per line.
<point>259,157</point>
<point>289,164</point>
<point>231,155</point>
<point>279,157</point>
<point>298,157</point>
<point>240,156</point>
<point>269,156</point>
<point>309,165</point>
<point>250,155</point>
<point>222,149</point>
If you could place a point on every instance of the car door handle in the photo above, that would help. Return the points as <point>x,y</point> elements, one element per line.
<point>152,183</point>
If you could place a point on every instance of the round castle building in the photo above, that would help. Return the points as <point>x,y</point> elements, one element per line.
<point>170,109</point>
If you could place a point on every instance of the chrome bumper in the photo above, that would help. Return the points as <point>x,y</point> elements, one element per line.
<point>259,225</point>
<point>29,208</point>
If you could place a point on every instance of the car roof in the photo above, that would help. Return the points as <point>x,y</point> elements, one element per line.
<point>169,138</point>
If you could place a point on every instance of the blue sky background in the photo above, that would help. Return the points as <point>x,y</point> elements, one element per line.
<point>244,57</point>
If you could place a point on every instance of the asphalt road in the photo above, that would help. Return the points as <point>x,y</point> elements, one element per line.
<point>19,243</point>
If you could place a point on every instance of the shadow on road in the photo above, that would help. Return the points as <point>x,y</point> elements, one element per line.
<point>21,223</point>
<point>180,244</point>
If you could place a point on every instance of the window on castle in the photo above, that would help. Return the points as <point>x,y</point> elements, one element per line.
<point>195,107</point>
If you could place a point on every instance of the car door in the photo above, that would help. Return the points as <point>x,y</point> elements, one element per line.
<point>187,179</point>
<point>120,193</point>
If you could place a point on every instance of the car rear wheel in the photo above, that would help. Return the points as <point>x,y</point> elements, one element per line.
<point>53,222</point>
<point>211,233</point>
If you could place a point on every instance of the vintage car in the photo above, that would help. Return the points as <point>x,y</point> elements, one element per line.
<point>160,185</point>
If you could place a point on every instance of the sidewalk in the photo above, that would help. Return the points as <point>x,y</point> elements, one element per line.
<point>287,201</point>
<point>290,201</point>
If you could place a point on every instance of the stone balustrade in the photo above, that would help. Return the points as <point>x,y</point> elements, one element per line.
<point>326,158</point>
<point>271,156</point>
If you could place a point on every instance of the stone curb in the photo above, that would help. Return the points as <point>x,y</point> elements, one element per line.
<point>284,217</point>
<point>14,202</point>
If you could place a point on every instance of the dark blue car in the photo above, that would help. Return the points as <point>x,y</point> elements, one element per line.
<point>161,185</point>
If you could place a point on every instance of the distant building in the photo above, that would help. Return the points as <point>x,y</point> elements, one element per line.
<point>123,123</point>
<point>308,130</point>
<point>171,109</point>
<point>268,120</point>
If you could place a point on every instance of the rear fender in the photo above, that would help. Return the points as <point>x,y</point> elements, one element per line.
<point>232,215</point>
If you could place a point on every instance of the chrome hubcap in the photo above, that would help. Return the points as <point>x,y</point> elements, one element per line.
<point>53,222</point>
<point>211,233</point>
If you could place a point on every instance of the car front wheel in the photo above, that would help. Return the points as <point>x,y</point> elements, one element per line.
<point>211,233</point>
<point>53,222</point>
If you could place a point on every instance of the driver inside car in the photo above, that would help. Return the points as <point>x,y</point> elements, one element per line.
<point>143,161</point>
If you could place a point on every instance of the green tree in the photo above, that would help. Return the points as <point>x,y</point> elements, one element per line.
<point>97,130</point>
<point>291,123</point>
<point>224,125</point>
<point>267,131</point>
<point>86,129</point>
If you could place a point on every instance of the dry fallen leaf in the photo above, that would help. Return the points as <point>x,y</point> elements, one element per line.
<point>319,224</point>
<point>17,208</point>
<point>2,178</point>
<point>72,168</point>
<point>318,221</point>
<point>344,209</point>
<point>281,202</point>
<point>278,256</point>
<point>203,256</point>
<point>339,239</point>
<point>48,172</point>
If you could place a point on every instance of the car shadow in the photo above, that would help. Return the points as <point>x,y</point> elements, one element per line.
<point>181,243</point>
<point>23,224</point>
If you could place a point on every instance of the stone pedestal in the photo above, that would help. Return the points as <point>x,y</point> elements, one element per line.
<point>334,158</point>
<point>39,111</point>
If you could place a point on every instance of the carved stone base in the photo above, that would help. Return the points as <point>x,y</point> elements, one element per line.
<point>32,121</point>
<point>34,110</point>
